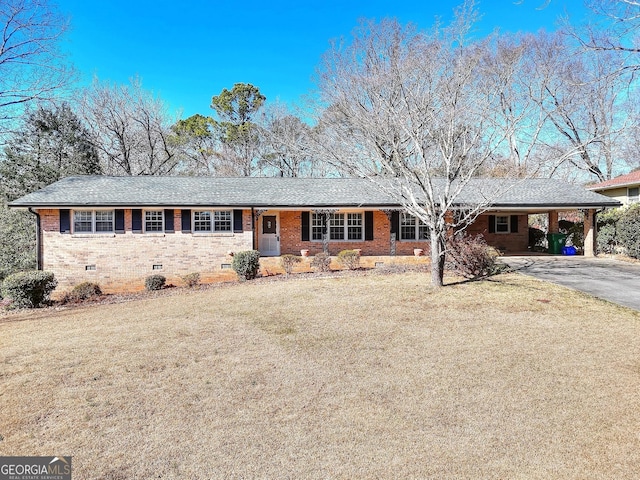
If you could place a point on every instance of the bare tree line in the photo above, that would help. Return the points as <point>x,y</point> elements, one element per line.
<point>566,99</point>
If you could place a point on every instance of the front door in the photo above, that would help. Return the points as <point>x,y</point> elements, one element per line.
<point>269,241</point>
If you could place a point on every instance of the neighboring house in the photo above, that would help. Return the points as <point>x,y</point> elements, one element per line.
<point>625,188</point>
<point>116,230</point>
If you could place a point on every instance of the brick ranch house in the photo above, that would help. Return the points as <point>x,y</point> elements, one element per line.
<point>118,230</point>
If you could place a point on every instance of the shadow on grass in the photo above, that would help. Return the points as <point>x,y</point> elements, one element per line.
<point>499,270</point>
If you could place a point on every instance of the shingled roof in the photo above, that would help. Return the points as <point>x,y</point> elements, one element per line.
<point>632,178</point>
<point>260,192</point>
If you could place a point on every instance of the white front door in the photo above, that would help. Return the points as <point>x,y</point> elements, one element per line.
<point>269,239</point>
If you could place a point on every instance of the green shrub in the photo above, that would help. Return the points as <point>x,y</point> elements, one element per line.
<point>288,261</point>
<point>607,237</point>
<point>155,282</point>
<point>349,259</point>
<point>191,279</point>
<point>29,289</point>
<point>82,291</point>
<point>470,256</point>
<point>321,262</point>
<point>629,230</point>
<point>17,241</point>
<point>246,264</point>
<point>610,216</point>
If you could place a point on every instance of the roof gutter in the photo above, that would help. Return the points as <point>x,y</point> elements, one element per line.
<point>38,239</point>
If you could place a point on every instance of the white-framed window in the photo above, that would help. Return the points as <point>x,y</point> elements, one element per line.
<point>412,228</point>
<point>341,226</point>
<point>336,226</point>
<point>202,221</point>
<point>214,221</point>
<point>154,220</point>
<point>502,224</point>
<point>316,227</point>
<point>633,194</point>
<point>354,226</point>
<point>93,221</point>
<point>222,221</point>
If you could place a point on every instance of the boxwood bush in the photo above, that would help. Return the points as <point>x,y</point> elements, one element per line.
<point>246,264</point>
<point>82,291</point>
<point>29,289</point>
<point>155,282</point>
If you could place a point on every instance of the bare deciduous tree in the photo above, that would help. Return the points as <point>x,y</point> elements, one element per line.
<point>416,113</point>
<point>583,96</point>
<point>130,128</point>
<point>285,144</point>
<point>616,30</point>
<point>31,66</point>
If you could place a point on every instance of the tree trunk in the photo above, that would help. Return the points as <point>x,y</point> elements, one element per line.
<point>437,258</point>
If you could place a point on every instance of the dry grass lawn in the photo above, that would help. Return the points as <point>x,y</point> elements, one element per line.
<point>375,376</point>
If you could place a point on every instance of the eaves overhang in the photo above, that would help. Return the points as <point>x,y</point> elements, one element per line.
<point>613,187</point>
<point>495,206</point>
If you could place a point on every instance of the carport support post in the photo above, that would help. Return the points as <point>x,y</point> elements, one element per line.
<point>554,226</point>
<point>589,233</point>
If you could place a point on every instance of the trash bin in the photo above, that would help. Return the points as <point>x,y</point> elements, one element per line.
<point>570,250</point>
<point>556,242</point>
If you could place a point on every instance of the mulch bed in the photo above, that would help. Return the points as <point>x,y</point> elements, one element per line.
<point>169,290</point>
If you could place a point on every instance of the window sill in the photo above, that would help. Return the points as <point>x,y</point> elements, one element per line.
<point>93,235</point>
<point>341,241</point>
<point>212,234</point>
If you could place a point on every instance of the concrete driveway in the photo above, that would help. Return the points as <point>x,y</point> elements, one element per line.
<point>605,278</point>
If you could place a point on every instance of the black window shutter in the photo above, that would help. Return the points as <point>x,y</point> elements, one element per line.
<point>237,221</point>
<point>186,220</point>
<point>492,224</point>
<point>65,220</point>
<point>368,225</point>
<point>136,220</point>
<point>395,224</point>
<point>168,220</point>
<point>305,226</point>
<point>514,223</point>
<point>119,221</point>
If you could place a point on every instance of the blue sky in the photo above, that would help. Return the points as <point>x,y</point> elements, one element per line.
<point>188,51</point>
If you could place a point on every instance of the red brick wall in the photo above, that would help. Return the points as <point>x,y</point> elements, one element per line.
<point>291,238</point>
<point>123,261</point>
<point>505,242</point>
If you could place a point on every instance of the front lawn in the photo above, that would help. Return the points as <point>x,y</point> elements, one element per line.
<point>374,376</point>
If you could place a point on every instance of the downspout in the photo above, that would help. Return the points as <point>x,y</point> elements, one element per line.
<point>38,239</point>
<point>253,230</point>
